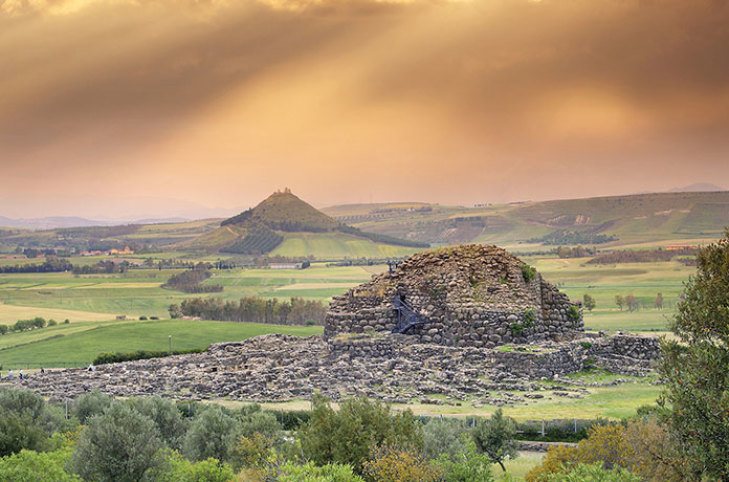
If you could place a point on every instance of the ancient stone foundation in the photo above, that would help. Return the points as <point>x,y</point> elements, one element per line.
<point>393,368</point>
<point>476,325</point>
<point>477,296</point>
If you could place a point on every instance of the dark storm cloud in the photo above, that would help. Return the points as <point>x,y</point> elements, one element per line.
<point>527,84</point>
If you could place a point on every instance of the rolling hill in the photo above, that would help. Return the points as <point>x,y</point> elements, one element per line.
<point>285,225</point>
<point>612,221</point>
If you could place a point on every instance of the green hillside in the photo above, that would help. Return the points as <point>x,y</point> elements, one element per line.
<point>634,219</point>
<point>283,225</point>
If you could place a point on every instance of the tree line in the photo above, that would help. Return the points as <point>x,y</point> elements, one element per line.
<point>254,309</point>
<point>27,325</point>
<point>190,281</point>
<point>641,256</point>
<point>52,264</point>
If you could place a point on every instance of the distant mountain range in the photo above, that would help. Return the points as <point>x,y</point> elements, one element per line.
<point>698,187</point>
<point>284,225</point>
<point>59,222</point>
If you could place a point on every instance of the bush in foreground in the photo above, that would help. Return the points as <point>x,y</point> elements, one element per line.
<point>120,445</point>
<point>351,434</point>
<point>31,466</point>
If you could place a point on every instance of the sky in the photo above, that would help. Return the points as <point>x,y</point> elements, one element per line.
<point>195,108</point>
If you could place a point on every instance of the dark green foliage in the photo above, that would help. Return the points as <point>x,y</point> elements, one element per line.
<point>253,420</point>
<point>495,437</point>
<point>258,240</point>
<point>563,236</point>
<point>641,256</point>
<point>528,273</point>
<point>588,302</point>
<point>566,430</point>
<point>213,433</point>
<point>517,329</point>
<point>574,252</point>
<point>291,420</point>
<point>90,404</point>
<point>105,358</point>
<point>166,417</point>
<point>239,219</point>
<point>295,311</point>
<point>51,265</point>
<point>529,318</point>
<point>27,325</point>
<point>351,434</point>
<point>573,314</point>
<point>26,421</point>
<point>121,445</point>
<point>694,367</point>
<point>191,281</point>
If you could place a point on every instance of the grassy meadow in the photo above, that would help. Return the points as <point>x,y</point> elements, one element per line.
<point>78,344</point>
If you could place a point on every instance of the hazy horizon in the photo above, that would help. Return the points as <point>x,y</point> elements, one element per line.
<point>118,109</point>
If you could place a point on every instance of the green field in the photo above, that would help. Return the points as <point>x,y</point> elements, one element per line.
<point>336,246</point>
<point>643,280</point>
<point>78,344</point>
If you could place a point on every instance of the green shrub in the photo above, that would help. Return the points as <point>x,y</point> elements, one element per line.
<point>120,445</point>
<point>213,433</point>
<point>530,317</point>
<point>90,404</point>
<point>291,420</point>
<point>528,273</point>
<point>52,323</point>
<point>466,466</point>
<point>593,473</point>
<point>573,314</point>
<point>27,421</point>
<point>31,466</point>
<point>517,328</point>
<point>351,434</point>
<point>444,437</point>
<point>118,357</point>
<point>165,415</point>
<point>175,468</point>
<point>309,472</point>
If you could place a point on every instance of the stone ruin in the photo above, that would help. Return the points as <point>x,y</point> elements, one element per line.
<point>471,324</point>
<point>474,295</point>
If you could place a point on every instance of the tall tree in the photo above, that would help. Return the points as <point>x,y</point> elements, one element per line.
<point>495,437</point>
<point>694,367</point>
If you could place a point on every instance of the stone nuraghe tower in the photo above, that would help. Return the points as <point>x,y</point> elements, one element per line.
<point>473,295</point>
